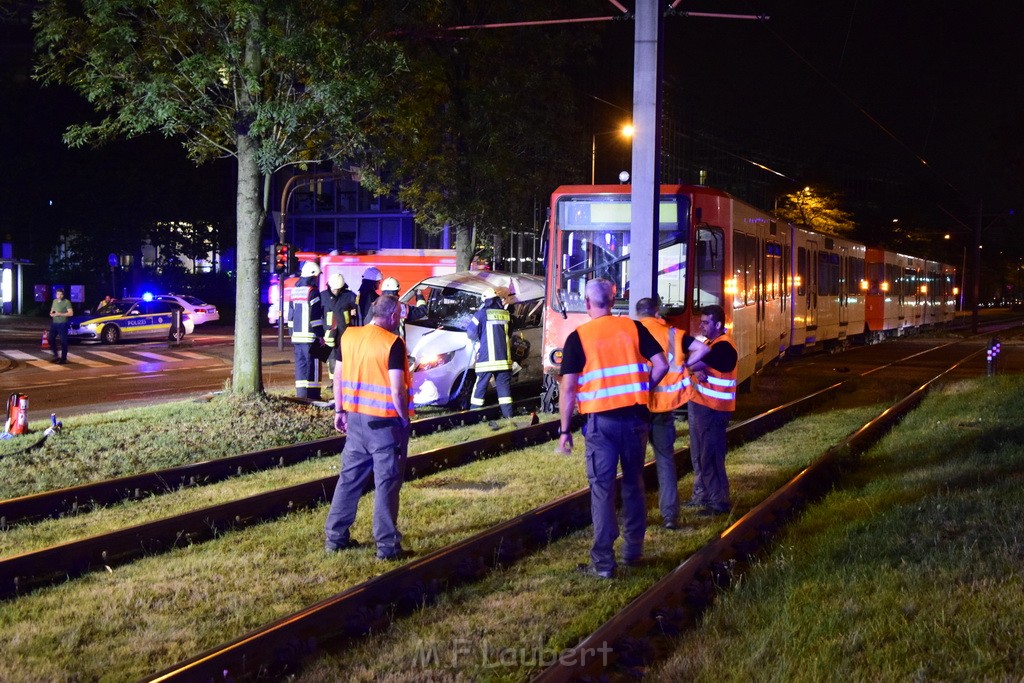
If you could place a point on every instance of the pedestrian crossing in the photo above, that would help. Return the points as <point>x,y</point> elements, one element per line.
<point>99,358</point>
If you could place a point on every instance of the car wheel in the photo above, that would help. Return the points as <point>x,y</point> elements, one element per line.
<point>460,394</point>
<point>171,336</point>
<point>110,334</point>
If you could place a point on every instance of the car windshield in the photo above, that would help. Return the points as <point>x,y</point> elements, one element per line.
<point>448,308</point>
<point>117,307</point>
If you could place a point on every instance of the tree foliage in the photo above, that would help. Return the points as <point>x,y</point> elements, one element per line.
<point>817,210</point>
<point>266,82</point>
<point>488,123</point>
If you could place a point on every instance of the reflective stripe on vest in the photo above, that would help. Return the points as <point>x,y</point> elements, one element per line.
<point>718,391</point>
<point>616,374</point>
<point>365,380</point>
<point>493,355</point>
<point>674,388</point>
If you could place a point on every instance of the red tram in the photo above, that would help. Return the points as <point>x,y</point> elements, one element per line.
<point>782,286</point>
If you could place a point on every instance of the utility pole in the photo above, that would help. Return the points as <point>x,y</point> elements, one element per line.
<point>976,287</point>
<point>646,189</point>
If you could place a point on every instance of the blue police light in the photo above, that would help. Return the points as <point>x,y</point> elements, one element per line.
<point>148,296</point>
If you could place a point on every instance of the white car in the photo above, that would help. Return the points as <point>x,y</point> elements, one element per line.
<point>440,354</point>
<point>198,310</point>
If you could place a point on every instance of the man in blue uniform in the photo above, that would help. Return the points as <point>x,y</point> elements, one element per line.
<point>489,328</point>
<point>307,323</point>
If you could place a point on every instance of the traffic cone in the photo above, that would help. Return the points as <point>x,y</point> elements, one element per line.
<point>46,340</point>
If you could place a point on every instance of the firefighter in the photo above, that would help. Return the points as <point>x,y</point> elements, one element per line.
<point>307,324</point>
<point>419,310</point>
<point>340,311</point>
<point>368,293</point>
<point>489,327</point>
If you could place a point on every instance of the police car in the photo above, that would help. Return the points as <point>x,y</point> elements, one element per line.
<point>126,319</point>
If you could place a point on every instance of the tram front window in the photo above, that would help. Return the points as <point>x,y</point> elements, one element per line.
<point>587,255</point>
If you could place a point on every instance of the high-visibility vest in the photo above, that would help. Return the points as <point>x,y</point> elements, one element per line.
<point>718,391</point>
<point>615,374</point>
<point>365,382</point>
<point>307,319</point>
<point>495,352</point>
<point>674,388</point>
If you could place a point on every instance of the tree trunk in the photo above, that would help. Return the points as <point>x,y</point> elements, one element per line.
<point>246,375</point>
<point>463,247</point>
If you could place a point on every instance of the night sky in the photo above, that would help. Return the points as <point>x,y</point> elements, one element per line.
<point>941,81</point>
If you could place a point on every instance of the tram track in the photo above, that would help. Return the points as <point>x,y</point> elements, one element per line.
<point>84,497</point>
<point>465,561</point>
<point>33,569</point>
<point>678,599</point>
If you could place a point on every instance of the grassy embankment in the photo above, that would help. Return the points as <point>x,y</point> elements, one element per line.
<point>144,616</point>
<point>912,571</point>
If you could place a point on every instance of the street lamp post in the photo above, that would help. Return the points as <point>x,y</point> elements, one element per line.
<point>626,131</point>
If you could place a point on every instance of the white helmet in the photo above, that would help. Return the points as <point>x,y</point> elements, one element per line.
<point>488,294</point>
<point>390,285</point>
<point>336,281</point>
<point>309,269</point>
<point>372,273</point>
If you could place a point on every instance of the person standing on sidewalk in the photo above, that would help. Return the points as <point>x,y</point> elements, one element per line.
<point>60,311</point>
<point>671,393</point>
<point>712,403</point>
<point>604,368</point>
<point>373,382</point>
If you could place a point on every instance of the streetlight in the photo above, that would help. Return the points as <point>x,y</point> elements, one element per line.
<point>626,131</point>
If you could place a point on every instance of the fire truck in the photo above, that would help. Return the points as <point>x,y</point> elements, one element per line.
<point>408,266</point>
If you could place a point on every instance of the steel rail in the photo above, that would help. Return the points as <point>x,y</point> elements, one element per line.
<point>277,648</point>
<point>626,641</point>
<point>76,499</point>
<point>32,569</point>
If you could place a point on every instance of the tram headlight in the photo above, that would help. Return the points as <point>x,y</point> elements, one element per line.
<point>556,357</point>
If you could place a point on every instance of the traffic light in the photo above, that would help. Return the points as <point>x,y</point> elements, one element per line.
<point>282,257</point>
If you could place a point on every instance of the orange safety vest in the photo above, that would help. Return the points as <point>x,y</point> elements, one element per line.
<point>365,383</point>
<point>674,389</point>
<point>615,374</point>
<point>718,391</point>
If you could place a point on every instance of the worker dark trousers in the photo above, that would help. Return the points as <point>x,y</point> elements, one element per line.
<point>612,438</point>
<point>663,441</point>
<point>378,445</point>
<point>59,331</point>
<point>503,382</point>
<point>707,451</point>
<point>307,372</point>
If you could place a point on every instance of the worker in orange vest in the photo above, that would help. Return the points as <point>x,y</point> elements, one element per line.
<point>605,371</point>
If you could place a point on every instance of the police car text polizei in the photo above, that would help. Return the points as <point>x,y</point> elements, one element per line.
<point>126,319</point>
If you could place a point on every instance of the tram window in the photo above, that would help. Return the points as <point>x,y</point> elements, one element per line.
<point>856,275</point>
<point>744,265</point>
<point>801,271</point>
<point>875,274</point>
<point>772,270</point>
<point>709,264</point>
<point>828,274</point>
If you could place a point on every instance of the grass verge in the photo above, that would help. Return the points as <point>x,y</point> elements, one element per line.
<point>911,571</point>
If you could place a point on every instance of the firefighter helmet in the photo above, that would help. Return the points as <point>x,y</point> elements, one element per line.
<point>488,294</point>
<point>372,273</point>
<point>336,281</point>
<point>390,285</point>
<point>309,269</point>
